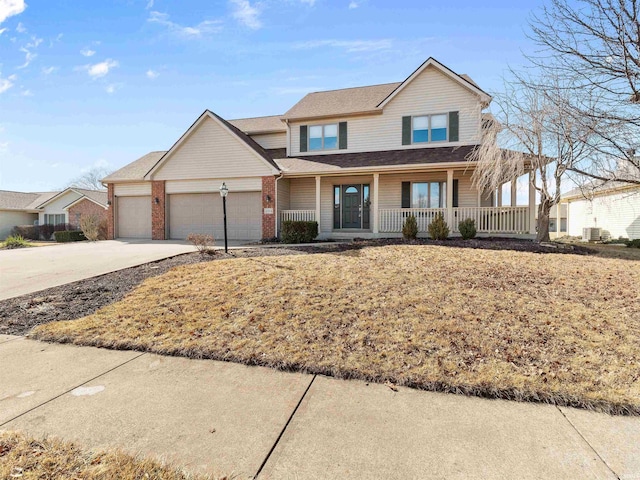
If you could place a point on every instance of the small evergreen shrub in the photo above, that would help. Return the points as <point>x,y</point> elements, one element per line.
<point>410,228</point>
<point>63,236</point>
<point>203,243</point>
<point>634,243</point>
<point>298,231</point>
<point>30,232</point>
<point>467,228</point>
<point>438,228</point>
<point>15,241</point>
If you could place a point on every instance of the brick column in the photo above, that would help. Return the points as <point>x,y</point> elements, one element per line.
<point>157,210</point>
<point>110,212</point>
<point>268,207</point>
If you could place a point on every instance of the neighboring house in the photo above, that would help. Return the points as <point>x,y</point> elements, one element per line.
<point>68,206</point>
<point>357,160</point>
<point>19,208</point>
<point>613,207</point>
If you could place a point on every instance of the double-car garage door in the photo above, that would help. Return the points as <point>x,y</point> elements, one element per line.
<point>202,213</point>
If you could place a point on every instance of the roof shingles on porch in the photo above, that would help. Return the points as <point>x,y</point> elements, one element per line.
<point>314,163</point>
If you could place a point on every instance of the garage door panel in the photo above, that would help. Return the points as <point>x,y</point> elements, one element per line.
<point>202,213</point>
<point>134,217</point>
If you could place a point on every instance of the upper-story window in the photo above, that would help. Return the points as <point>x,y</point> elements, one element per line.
<point>430,128</point>
<point>323,137</point>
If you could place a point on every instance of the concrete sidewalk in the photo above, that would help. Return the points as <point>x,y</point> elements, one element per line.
<point>225,418</point>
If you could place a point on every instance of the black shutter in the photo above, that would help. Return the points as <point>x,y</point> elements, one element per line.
<point>454,126</point>
<point>303,138</point>
<point>455,193</point>
<point>342,135</point>
<point>406,130</point>
<point>406,194</point>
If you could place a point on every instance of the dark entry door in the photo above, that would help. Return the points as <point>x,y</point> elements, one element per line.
<point>351,206</point>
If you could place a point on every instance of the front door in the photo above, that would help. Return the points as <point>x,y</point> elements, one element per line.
<point>351,206</point>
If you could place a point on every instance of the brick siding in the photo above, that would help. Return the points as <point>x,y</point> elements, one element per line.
<point>158,210</point>
<point>84,208</point>
<point>110,213</point>
<point>268,219</point>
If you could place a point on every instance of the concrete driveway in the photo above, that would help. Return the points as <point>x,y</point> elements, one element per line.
<point>33,269</point>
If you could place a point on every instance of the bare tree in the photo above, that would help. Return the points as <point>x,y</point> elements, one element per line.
<point>90,180</point>
<point>594,47</point>
<point>531,133</point>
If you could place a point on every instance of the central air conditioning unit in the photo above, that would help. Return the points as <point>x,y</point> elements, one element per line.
<point>591,234</point>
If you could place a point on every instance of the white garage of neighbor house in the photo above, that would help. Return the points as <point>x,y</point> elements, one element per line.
<point>168,195</point>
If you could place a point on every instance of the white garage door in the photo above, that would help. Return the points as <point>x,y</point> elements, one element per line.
<point>134,217</point>
<point>202,213</point>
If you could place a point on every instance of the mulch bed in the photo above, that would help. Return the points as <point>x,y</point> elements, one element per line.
<point>78,299</point>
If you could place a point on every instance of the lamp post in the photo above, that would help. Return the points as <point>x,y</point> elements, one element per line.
<point>223,193</point>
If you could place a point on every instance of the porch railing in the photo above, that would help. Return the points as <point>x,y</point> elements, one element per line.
<point>392,219</point>
<point>494,219</point>
<point>299,215</point>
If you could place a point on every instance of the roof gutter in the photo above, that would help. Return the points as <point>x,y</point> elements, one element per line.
<point>385,168</point>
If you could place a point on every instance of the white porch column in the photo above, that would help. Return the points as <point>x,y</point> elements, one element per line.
<point>374,203</point>
<point>558,219</point>
<point>514,192</point>
<point>318,201</point>
<point>499,200</point>
<point>532,203</point>
<point>450,198</point>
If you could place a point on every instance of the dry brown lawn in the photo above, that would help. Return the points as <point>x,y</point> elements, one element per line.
<point>562,329</point>
<point>27,458</point>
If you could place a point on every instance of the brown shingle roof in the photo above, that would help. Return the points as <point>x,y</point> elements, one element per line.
<point>270,124</point>
<point>345,101</point>
<point>316,163</point>
<point>23,200</point>
<point>98,196</point>
<point>136,170</point>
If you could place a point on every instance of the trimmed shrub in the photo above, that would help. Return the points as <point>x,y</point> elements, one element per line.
<point>299,232</point>
<point>15,241</point>
<point>90,226</point>
<point>30,232</point>
<point>46,231</point>
<point>467,228</point>
<point>438,228</point>
<point>202,242</point>
<point>62,236</point>
<point>634,243</point>
<point>410,228</point>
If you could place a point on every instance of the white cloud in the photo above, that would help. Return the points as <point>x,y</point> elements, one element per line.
<point>7,83</point>
<point>152,75</point>
<point>8,8</point>
<point>311,3</point>
<point>112,87</point>
<point>353,4</point>
<point>2,30</point>
<point>87,52</point>
<point>21,28</point>
<point>27,93</point>
<point>349,45</point>
<point>98,70</point>
<point>149,5</point>
<point>246,14</point>
<point>48,70</point>
<point>28,57</point>
<point>4,145</point>
<point>203,28</point>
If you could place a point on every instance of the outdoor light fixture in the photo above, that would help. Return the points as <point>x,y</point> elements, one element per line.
<point>268,198</point>
<point>223,193</point>
<point>108,203</point>
<point>156,200</point>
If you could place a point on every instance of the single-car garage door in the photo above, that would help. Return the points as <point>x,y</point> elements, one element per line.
<point>134,217</point>
<point>202,213</point>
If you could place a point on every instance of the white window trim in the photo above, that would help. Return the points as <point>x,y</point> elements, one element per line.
<point>442,198</point>
<point>323,125</point>
<point>446,114</point>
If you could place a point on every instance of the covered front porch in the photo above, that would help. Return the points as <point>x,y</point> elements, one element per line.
<point>377,204</point>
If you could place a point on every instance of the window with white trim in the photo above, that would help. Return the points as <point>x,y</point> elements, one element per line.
<point>323,137</point>
<point>429,128</point>
<point>429,195</point>
<point>54,219</point>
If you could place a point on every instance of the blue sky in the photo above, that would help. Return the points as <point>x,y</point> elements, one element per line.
<point>88,83</point>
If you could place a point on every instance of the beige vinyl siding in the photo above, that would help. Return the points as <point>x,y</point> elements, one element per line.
<point>56,207</point>
<point>303,193</point>
<point>213,185</point>
<point>326,196</point>
<point>10,218</point>
<point>618,214</point>
<point>284,196</point>
<point>271,140</point>
<point>430,93</point>
<point>391,187</point>
<point>211,151</point>
<point>467,193</point>
<point>132,189</point>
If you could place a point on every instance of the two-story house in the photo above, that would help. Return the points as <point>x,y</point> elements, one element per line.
<point>357,160</point>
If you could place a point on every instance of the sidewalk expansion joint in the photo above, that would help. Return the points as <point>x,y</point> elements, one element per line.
<point>587,442</point>
<point>71,389</point>
<point>275,444</point>
<point>18,337</point>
